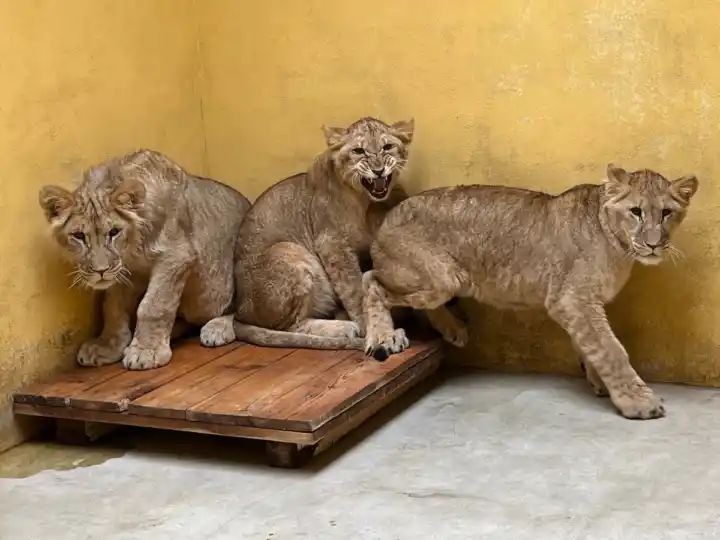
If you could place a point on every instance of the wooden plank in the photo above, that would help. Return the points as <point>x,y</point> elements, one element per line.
<point>57,391</point>
<point>125,419</point>
<point>174,398</point>
<point>332,377</point>
<point>308,407</point>
<point>342,424</point>
<point>260,390</point>
<point>116,393</point>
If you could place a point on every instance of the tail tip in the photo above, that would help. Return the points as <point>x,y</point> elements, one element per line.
<point>380,354</point>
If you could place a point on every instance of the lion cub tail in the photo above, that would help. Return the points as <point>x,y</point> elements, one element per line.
<point>266,337</point>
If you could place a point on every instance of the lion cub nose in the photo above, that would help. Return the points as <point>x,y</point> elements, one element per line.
<point>101,270</point>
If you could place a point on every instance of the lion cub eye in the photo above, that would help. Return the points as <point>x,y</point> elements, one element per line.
<point>112,233</point>
<point>388,147</point>
<point>636,211</point>
<point>666,212</point>
<point>358,151</point>
<point>78,236</point>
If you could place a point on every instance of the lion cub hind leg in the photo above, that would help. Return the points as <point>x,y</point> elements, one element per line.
<point>382,339</point>
<point>401,279</point>
<point>452,329</point>
<point>278,307</point>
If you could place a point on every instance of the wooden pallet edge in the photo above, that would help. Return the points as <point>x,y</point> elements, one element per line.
<point>122,418</point>
<point>429,356</point>
<point>339,426</point>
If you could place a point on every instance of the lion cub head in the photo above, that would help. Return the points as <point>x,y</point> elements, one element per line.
<point>644,208</point>
<point>97,224</point>
<point>370,154</point>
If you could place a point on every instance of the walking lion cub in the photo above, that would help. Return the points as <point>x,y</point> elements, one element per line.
<point>570,253</point>
<point>158,241</point>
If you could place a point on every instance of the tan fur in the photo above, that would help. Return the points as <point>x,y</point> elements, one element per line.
<point>158,241</point>
<point>301,244</point>
<point>512,248</point>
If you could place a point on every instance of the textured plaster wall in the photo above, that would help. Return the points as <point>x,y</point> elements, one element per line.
<point>81,80</point>
<point>532,93</point>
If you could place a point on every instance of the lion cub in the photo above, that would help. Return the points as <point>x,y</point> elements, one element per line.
<point>158,241</point>
<point>570,253</point>
<point>298,275</point>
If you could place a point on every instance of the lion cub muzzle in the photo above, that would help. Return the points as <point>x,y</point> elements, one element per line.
<point>379,186</point>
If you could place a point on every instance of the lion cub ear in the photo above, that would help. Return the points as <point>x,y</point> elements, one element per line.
<point>334,135</point>
<point>129,195</point>
<point>404,130</point>
<point>617,174</point>
<point>56,202</point>
<point>618,181</point>
<point>685,187</point>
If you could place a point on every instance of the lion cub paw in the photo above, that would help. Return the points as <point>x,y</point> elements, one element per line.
<point>138,357</point>
<point>457,335</point>
<point>383,345</point>
<point>97,352</point>
<point>218,331</point>
<point>639,403</point>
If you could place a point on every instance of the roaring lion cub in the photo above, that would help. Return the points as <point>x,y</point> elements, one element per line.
<point>301,244</point>
<point>570,253</point>
<point>158,240</point>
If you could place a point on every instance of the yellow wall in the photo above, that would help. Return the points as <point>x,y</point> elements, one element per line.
<point>81,81</point>
<point>533,93</point>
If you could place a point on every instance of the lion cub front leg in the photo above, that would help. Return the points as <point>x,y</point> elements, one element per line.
<point>118,304</point>
<point>382,338</point>
<point>591,334</point>
<point>593,378</point>
<point>150,346</point>
<point>342,266</point>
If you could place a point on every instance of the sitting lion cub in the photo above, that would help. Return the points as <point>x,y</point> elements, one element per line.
<point>299,249</point>
<point>158,240</point>
<point>570,253</point>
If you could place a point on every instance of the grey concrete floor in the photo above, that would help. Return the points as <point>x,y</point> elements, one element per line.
<point>474,456</point>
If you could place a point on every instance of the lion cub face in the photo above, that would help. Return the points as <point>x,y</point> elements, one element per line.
<point>96,225</point>
<point>644,208</point>
<point>370,154</point>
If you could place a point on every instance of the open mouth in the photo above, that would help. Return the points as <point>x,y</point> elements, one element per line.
<point>377,187</point>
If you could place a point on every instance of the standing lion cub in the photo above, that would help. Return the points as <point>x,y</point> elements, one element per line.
<point>570,253</point>
<point>158,241</point>
<point>298,273</point>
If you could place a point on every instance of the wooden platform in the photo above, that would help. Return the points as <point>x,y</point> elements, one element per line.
<point>300,401</point>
